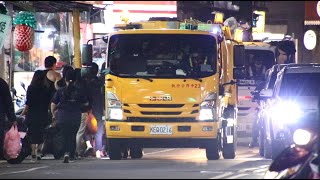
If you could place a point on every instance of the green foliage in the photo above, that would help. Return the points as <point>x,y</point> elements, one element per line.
<point>3,9</point>
<point>26,18</point>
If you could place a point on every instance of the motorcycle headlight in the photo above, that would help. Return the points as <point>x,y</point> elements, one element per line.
<point>286,112</point>
<point>301,137</point>
<point>207,107</point>
<point>114,107</point>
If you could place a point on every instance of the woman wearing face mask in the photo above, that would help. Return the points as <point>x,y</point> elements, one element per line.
<point>66,106</point>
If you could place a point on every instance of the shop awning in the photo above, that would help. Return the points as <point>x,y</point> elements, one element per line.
<point>50,6</point>
<point>311,22</point>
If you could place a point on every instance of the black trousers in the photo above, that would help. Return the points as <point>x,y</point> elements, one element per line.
<point>2,128</point>
<point>69,131</point>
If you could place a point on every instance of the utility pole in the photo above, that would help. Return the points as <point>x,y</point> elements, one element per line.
<point>76,38</point>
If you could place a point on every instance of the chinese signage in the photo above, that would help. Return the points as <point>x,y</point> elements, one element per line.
<point>312,13</point>
<point>5,24</point>
<point>185,85</point>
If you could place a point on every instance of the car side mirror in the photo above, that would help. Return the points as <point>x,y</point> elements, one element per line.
<point>266,93</point>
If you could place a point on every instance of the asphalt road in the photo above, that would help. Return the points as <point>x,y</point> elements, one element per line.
<point>155,164</point>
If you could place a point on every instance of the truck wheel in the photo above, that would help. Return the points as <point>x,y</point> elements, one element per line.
<point>114,150</point>
<point>229,150</point>
<point>136,152</point>
<point>213,151</point>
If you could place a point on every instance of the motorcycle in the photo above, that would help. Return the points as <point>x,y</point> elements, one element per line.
<point>299,161</point>
<point>19,101</point>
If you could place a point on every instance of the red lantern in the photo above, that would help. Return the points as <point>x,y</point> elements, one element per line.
<point>23,38</point>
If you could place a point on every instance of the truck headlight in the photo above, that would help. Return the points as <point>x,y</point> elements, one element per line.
<point>114,107</point>
<point>301,137</point>
<point>286,112</point>
<point>207,107</point>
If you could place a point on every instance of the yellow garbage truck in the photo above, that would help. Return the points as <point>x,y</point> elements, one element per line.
<point>170,84</point>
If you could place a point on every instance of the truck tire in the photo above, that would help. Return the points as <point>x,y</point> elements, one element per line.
<point>114,150</point>
<point>213,151</point>
<point>136,152</point>
<point>229,150</point>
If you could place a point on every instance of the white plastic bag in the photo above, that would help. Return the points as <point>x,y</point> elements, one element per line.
<point>12,143</point>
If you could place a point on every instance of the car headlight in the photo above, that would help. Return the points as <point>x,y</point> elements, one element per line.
<point>301,137</point>
<point>286,112</point>
<point>207,107</point>
<point>114,107</point>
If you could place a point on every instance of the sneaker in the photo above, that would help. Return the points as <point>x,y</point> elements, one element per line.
<point>39,158</point>
<point>89,151</point>
<point>98,154</point>
<point>66,158</point>
<point>33,159</point>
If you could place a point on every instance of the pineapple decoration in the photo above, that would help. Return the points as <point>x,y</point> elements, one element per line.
<point>23,38</point>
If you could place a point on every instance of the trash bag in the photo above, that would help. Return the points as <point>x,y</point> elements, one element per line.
<point>12,143</point>
<point>91,124</point>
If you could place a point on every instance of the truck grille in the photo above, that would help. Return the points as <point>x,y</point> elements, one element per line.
<point>161,110</point>
<point>161,105</point>
<point>139,119</point>
<point>160,113</point>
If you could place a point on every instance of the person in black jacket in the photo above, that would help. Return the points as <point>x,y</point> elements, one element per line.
<point>66,108</point>
<point>6,110</point>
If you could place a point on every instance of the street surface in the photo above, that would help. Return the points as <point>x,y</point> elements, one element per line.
<point>155,164</point>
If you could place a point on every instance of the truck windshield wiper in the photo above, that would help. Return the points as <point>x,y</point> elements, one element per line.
<point>149,79</point>
<point>197,79</point>
<point>141,77</point>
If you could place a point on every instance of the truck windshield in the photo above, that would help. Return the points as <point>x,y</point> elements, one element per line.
<point>257,63</point>
<point>162,55</point>
<point>300,84</point>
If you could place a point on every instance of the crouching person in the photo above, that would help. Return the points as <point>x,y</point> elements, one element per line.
<point>66,107</point>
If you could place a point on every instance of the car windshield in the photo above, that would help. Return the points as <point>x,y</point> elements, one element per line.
<point>300,84</point>
<point>257,62</point>
<point>162,55</point>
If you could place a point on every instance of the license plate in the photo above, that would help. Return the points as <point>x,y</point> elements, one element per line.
<point>160,129</point>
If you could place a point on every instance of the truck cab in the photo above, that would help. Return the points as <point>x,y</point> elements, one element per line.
<point>165,88</point>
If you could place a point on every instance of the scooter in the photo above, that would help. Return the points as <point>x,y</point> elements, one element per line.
<point>19,101</point>
<point>299,161</point>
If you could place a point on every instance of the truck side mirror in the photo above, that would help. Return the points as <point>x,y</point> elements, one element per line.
<point>239,73</point>
<point>238,55</point>
<point>86,55</point>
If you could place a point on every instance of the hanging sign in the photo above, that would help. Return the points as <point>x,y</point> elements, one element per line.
<point>310,39</point>
<point>5,24</point>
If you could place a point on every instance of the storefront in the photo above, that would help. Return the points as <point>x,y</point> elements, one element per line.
<point>311,48</point>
